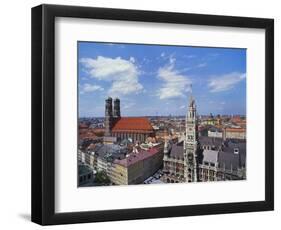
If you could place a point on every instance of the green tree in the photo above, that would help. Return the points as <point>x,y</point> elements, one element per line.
<point>102,178</point>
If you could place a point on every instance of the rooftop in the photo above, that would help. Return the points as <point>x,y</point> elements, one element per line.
<point>135,157</point>
<point>109,152</point>
<point>132,124</point>
<point>210,156</point>
<point>227,158</point>
<point>213,141</point>
<point>232,155</point>
<point>177,150</point>
<point>235,130</point>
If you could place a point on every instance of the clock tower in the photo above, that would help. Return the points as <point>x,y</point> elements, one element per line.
<point>191,143</point>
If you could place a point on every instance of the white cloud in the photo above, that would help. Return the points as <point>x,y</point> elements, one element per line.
<point>182,107</point>
<point>146,60</point>
<point>186,69</point>
<point>201,65</point>
<point>121,72</point>
<point>87,88</point>
<point>132,59</point>
<point>225,82</point>
<point>174,84</point>
<point>172,59</point>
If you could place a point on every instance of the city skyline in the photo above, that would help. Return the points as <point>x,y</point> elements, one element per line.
<point>155,80</point>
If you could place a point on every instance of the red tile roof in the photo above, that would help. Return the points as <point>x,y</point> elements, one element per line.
<point>83,126</point>
<point>90,133</point>
<point>235,130</point>
<point>132,124</point>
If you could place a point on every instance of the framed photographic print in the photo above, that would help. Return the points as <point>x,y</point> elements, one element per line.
<point>142,114</point>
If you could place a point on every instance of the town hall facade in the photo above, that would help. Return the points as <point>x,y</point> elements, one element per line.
<point>195,158</point>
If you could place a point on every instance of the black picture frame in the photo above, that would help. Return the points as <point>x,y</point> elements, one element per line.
<point>43,114</point>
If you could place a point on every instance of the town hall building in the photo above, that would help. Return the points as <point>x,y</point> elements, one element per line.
<point>197,158</point>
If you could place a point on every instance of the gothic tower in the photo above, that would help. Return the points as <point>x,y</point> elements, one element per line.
<point>108,116</point>
<point>166,149</point>
<point>190,145</point>
<point>116,109</point>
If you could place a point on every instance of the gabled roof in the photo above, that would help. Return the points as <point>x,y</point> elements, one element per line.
<point>177,150</point>
<point>136,157</point>
<point>132,124</point>
<point>228,159</point>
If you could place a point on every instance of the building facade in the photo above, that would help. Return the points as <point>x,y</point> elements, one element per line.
<point>215,132</point>
<point>201,158</point>
<point>235,133</point>
<point>85,174</point>
<point>136,167</point>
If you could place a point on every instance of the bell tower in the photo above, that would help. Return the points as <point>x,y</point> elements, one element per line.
<point>108,116</point>
<point>191,142</point>
<point>116,108</point>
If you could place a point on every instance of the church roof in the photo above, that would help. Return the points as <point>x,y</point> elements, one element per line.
<point>132,124</point>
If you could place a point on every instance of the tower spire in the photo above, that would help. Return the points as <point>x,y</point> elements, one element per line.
<point>190,96</point>
<point>108,116</point>
<point>190,144</point>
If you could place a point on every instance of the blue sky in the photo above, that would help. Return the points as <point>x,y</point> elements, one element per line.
<point>157,79</point>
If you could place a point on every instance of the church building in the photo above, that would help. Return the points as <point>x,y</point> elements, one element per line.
<point>124,128</point>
